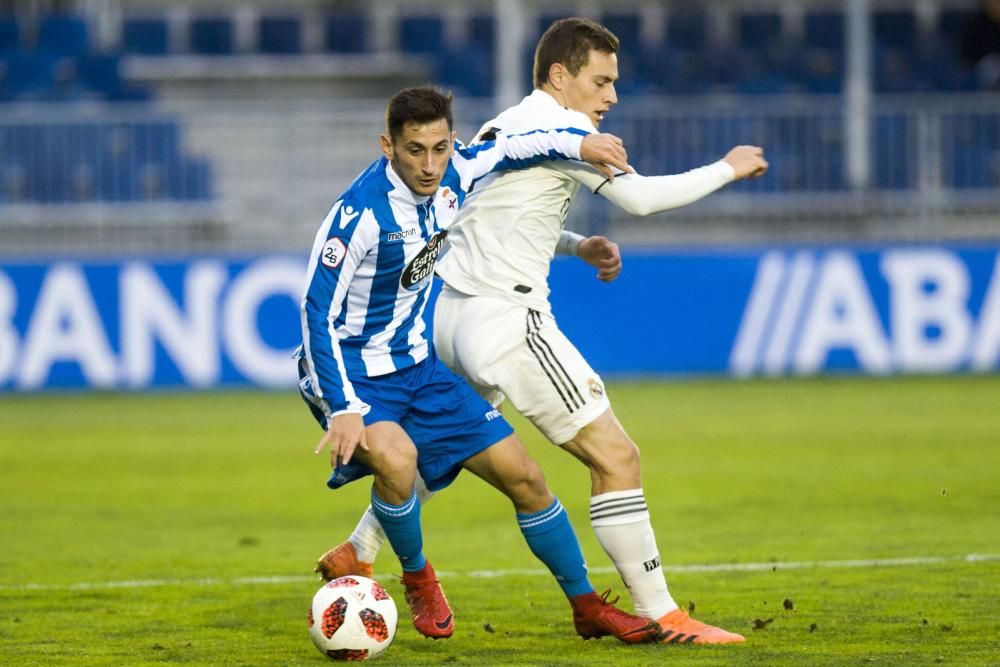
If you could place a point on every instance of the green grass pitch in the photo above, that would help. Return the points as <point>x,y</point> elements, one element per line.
<point>182,529</point>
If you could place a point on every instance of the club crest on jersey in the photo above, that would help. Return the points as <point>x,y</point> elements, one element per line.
<point>333,252</point>
<point>419,271</point>
<point>448,196</point>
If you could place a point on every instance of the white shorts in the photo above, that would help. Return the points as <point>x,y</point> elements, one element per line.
<point>507,350</point>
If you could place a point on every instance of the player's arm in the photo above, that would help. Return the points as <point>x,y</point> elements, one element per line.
<point>334,261</point>
<point>598,251</point>
<point>644,195</point>
<point>521,151</point>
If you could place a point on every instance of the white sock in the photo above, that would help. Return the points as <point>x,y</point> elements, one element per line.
<point>621,521</point>
<point>368,536</point>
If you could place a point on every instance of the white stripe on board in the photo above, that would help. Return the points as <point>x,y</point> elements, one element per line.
<point>705,567</point>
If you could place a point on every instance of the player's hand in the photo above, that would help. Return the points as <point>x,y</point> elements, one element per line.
<point>602,254</point>
<point>346,433</point>
<point>747,161</point>
<point>606,153</point>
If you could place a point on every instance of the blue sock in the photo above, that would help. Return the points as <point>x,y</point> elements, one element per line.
<point>551,538</point>
<point>401,524</point>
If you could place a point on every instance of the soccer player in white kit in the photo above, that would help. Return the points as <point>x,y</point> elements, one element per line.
<point>493,323</point>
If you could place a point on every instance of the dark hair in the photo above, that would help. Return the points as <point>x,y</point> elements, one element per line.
<point>424,104</point>
<point>569,42</point>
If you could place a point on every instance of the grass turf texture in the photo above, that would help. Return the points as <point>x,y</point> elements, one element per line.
<point>184,487</point>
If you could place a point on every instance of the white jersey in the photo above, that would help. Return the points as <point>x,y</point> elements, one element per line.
<point>505,236</point>
<point>506,232</point>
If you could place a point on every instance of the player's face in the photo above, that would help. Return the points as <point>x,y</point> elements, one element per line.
<point>592,90</point>
<point>420,154</point>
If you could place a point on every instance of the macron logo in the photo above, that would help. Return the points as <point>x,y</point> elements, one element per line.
<point>346,215</point>
<point>492,414</point>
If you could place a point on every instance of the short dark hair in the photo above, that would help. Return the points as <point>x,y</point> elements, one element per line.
<point>423,104</point>
<point>569,42</point>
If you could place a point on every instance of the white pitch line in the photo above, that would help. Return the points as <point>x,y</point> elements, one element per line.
<point>704,567</point>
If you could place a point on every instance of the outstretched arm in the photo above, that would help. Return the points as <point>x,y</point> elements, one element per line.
<point>644,195</point>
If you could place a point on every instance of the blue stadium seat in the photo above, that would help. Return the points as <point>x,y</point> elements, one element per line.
<point>102,74</point>
<point>10,36</point>
<point>27,75</point>
<point>212,36</point>
<point>482,30</point>
<point>951,24</point>
<point>279,35</point>
<point>676,71</point>
<point>346,33</point>
<point>894,71</point>
<point>421,34</point>
<point>628,29</point>
<point>824,30</point>
<point>820,70</point>
<point>760,30</point>
<point>148,37</point>
<point>687,29</point>
<point>469,68</point>
<point>62,36</point>
<point>897,28</point>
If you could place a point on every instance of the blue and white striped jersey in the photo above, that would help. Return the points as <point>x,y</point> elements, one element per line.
<point>370,271</point>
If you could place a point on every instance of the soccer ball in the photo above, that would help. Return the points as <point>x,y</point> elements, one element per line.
<point>352,618</point>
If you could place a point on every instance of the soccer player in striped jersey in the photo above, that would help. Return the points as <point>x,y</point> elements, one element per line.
<point>493,323</point>
<point>369,373</point>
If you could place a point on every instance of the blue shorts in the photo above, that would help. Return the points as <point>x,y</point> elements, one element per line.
<point>444,417</point>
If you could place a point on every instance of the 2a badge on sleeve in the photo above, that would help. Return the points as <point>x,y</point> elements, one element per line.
<point>334,252</point>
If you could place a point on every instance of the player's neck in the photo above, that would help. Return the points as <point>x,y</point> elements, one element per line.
<point>554,94</point>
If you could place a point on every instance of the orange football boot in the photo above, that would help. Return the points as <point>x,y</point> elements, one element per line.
<point>679,628</point>
<point>342,561</point>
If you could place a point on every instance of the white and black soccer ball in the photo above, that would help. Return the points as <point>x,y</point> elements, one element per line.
<point>352,618</point>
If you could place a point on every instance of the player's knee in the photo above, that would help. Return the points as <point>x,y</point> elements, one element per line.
<point>528,490</point>
<point>396,464</point>
<point>616,462</point>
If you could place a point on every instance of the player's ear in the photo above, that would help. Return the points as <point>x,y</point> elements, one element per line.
<point>557,75</point>
<point>454,138</point>
<point>387,149</point>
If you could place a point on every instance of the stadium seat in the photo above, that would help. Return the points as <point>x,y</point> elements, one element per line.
<point>346,33</point>
<point>760,30</point>
<point>10,36</point>
<point>628,29</point>
<point>481,30</point>
<point>676,71</point>
<point>468,68</point>
<point>688,30</point>
<point>27,75</point>
<point>951,24</point>
<point>148,37</point>
<point>279,35</point>
<point>897,28</point>
<point>102,74</point>
<point>894,71</point>
<point>819,70</point>
<point>62,36</point>
<point>421,34</point>
<point>212,36</point>
<point>824,30</point>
